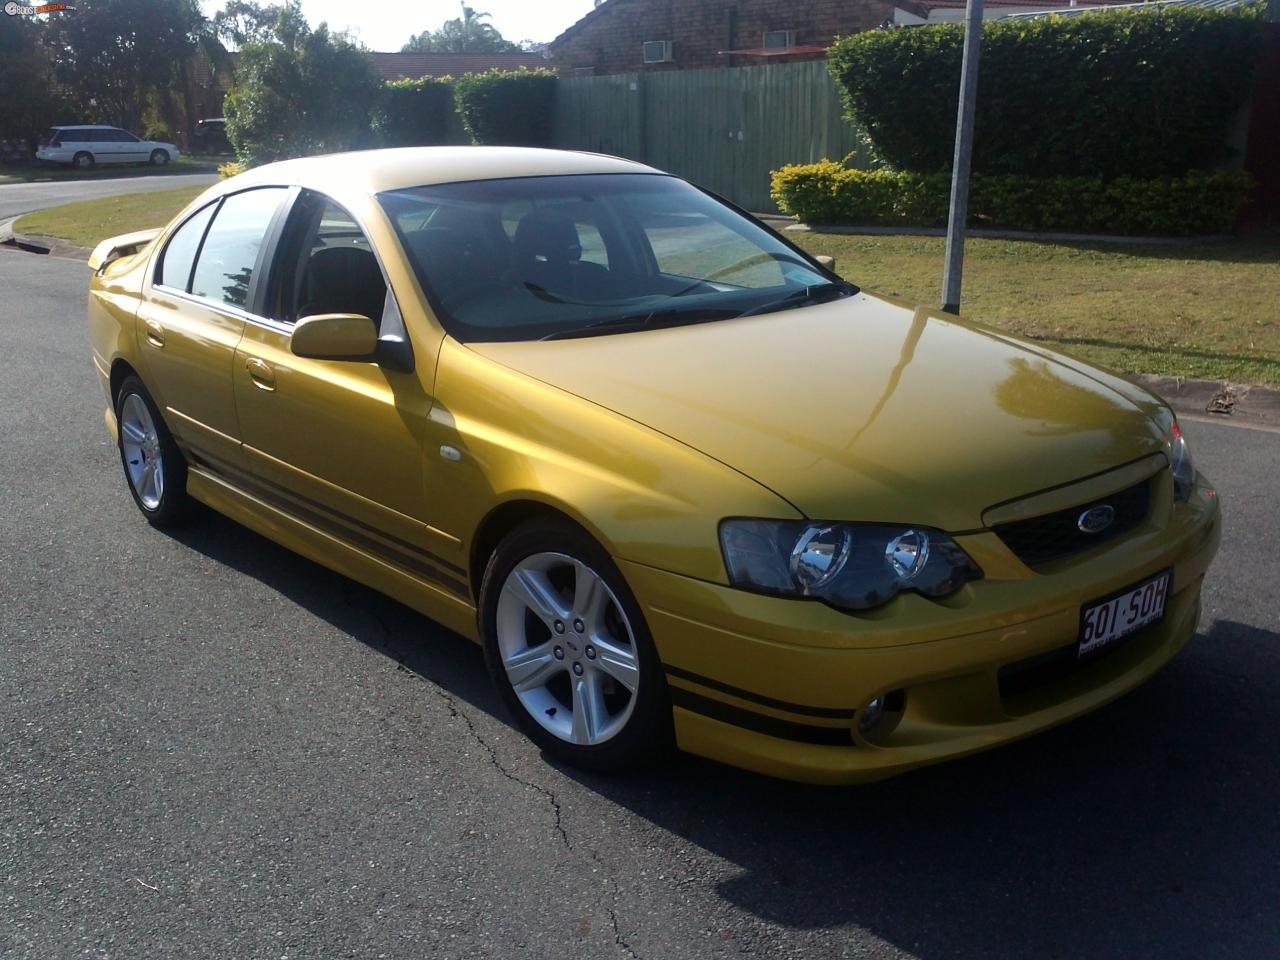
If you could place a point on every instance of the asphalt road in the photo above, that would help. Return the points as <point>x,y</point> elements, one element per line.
<point>19,198</point>
<point>213,748</point>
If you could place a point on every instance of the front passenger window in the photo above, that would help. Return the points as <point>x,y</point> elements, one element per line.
<point>229,255</point>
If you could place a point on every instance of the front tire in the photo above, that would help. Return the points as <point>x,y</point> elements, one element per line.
<point>568,649</point>
<point>83,160</point>
<point>159,158</point>
<point>154,468</point>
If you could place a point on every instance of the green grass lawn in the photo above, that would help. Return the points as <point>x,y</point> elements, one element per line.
<point>1206,309</point>
<point>87,223</point>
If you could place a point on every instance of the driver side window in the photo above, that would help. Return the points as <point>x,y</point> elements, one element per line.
<point>327,265</point>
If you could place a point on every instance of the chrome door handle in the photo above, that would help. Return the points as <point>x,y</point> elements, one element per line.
<point>155,333</point>
<point>263,377</point>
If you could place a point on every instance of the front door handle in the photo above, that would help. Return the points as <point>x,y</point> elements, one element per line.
<point>260,372</point>
<point>155,333</point>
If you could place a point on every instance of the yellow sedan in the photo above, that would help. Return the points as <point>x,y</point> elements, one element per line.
<point>683,483</point>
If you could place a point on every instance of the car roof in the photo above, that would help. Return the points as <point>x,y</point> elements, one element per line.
<point>85,126</point>
<point>375,171</point>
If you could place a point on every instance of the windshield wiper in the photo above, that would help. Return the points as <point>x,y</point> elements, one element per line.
<point>814,291</point>
<point>673,316</point>
<point>643,321</point>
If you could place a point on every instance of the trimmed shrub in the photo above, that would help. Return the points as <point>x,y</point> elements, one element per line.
<point>1111,93</point>
<point>511,108</point>
<point>414,113</point>
<point>828,193</point>
<point>232,168</point>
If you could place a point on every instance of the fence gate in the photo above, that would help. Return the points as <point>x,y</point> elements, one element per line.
<point>724,129</point>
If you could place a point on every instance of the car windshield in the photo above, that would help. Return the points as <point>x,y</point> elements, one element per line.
<point>585,255</point>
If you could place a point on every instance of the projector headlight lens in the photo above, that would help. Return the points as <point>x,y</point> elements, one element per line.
<point>852,566</point>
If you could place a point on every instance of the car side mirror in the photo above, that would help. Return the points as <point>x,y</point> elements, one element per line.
<point>826,261</point>
<point>335,336</point>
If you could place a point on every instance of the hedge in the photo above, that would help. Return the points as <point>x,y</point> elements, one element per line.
<point>513,108</point>
<point>414,113</point>
<point>828,193</point>
<point>1134,92</point>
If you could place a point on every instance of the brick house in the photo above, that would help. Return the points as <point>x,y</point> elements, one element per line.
<point>621,36</point>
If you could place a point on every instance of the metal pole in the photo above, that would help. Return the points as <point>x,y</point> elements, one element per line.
<point>954,268</point>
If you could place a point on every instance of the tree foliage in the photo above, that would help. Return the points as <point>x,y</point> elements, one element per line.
<point>465,34</point>
<point>109,55</point>
<point>30,104</point>
<point>1143,92</point>
<point>242,22</point>
<point>508,107</point>
<point>301,92</point>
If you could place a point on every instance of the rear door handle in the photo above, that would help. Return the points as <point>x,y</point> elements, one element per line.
<point>263,377</point>
<point>155,333</point>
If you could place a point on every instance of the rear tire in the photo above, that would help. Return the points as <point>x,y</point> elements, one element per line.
<point>154,469</point>
<point>159,158</point>
<point>83,160</point>
<point>559,621</point>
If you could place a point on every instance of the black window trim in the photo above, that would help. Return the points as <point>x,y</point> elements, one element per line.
<point>394,349</point>
<point>252,303</point>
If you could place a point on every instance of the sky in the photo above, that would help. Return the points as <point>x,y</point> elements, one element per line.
<point>387,24</point>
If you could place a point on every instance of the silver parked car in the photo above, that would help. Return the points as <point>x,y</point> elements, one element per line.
<point>83,145</point>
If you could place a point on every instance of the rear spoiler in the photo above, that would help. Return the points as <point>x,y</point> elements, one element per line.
<point>115,248</point>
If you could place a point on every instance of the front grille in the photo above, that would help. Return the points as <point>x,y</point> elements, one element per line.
<point>1055,535</point>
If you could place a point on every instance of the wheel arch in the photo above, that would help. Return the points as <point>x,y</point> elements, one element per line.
<point>120,370</point>
<point>509,515</point>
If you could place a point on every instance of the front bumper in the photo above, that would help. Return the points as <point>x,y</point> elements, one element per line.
<point>773,685</point>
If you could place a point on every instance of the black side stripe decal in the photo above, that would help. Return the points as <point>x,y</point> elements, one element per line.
<point>759,722</point>
<point>293,495</point>
<point>835,713</point>
<point>292,503</point>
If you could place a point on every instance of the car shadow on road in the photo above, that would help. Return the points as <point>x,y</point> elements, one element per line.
<point>1149,828</point>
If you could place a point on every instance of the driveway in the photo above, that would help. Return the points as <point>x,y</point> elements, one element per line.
<point>19,198</point>
<point>212,747</point>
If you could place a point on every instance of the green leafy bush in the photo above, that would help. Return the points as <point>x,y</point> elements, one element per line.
<point>1111,93</point>
<point>513,108</point>
<point>414,113</point>
<point>826,192</point>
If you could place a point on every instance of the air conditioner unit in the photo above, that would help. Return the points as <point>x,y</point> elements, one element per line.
<point>779,39</point>
<point>657,51</point>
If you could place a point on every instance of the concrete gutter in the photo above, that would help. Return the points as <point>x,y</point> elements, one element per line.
<point>30,243</point>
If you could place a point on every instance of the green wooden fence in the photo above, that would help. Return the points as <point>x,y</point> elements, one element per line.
<point>724,129</point>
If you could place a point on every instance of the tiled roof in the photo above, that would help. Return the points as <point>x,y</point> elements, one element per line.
<point>392,66</point>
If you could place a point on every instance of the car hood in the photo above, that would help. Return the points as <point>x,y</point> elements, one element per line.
<point>862,408</point>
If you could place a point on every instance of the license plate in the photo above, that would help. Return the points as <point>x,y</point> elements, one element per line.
<point>1107,621</point>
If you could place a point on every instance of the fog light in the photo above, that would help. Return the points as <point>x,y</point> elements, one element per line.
<point>879,716</point>
<point>870,715</point>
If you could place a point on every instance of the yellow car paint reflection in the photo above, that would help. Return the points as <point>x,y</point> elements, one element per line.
<point>408,471</point>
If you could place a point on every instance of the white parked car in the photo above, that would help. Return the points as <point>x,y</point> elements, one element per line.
<point>83,145</point>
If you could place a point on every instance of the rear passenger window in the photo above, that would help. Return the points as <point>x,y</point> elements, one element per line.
<point>224,269</point>
<point>180,254</point>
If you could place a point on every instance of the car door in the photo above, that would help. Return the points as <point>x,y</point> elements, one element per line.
<point>128,148</point>
<point>107,145</point>
<point>193,315</point>
<point>338,443</point>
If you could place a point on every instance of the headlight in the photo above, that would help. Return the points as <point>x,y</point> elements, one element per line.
<point>853,566</point>
<point>1184,473</point>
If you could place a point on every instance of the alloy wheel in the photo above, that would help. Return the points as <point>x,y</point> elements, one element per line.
<point>140,443</point>
<point>568,648</point>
